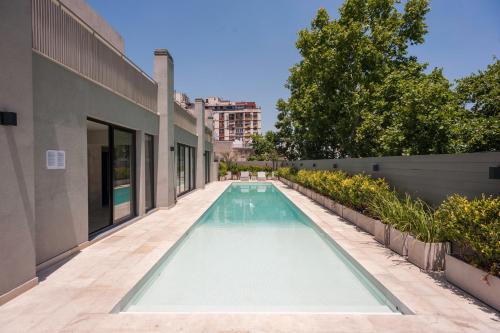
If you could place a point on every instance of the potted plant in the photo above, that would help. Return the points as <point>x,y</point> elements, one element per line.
<point>474,262</point>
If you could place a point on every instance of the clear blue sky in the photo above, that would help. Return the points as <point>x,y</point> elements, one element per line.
<point>242,50</point>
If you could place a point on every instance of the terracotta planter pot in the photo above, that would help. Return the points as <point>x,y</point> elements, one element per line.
<point>428,256</point>
<point>381,232</point>
<point>349,214</point>
<point>398,241</point>
<point>365,223</point>
<point>474,281</point>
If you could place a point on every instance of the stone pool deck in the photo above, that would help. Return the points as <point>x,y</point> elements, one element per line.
<point>78,294</point>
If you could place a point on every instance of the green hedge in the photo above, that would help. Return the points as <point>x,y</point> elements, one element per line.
<point>236,168</point>
<point>474,224</point>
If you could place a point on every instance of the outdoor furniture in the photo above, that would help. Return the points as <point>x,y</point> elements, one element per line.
<point>245,175</point>
<point>261,175</point>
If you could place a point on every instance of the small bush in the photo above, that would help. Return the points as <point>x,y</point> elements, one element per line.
<point>222,169</point>
<point>475,227</point>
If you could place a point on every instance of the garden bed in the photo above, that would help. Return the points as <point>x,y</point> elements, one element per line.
<point>428,256</point>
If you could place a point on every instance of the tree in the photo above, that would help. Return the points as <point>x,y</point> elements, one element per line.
<point>479,94</point>
<point>481,91</point>
<point>344,62</point>
<point>264,147</point>
<point>412,113</point>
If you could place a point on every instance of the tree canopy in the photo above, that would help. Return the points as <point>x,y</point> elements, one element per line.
<point>357,91</point>
<point>264,147</point>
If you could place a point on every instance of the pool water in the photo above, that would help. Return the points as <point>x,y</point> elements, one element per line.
<point>121,194</point>
<point>255,251</point>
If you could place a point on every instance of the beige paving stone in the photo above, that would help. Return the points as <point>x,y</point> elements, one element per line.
<point>78,294</point>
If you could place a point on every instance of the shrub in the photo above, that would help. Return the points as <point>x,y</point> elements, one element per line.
<point>222,169</point>
<point>122,173</point>
<point>254,168</point>
<point>475,227</point>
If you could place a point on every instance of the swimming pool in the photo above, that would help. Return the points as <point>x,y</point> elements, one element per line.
<point>254,251</point>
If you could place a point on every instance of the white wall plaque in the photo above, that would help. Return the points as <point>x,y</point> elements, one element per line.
<point>56,159</point>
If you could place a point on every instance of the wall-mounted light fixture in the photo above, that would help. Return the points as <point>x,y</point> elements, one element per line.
<point>172,148</point>
<point>334,166</point>
<point>375,167</point>
<point>314,165</point>
<point>495,172</point>
<point>8,118</point>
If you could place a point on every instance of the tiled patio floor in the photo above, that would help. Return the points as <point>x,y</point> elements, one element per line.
<point>78,295</point>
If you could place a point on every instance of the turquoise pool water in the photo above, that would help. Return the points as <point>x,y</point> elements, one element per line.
<point>121,195</point>
<point>255,251</point>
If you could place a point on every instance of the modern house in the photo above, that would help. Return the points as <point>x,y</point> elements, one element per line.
<point>89,141</point>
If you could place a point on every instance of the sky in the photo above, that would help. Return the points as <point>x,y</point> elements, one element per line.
<point>242,50</point>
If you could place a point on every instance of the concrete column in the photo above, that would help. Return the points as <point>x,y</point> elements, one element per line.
<point>199,109</point>
<point>140,163</point>
<point>17,189</point>
<point>165,175</point>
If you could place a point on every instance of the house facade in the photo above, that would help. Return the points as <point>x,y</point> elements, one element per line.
<point>89,141</point>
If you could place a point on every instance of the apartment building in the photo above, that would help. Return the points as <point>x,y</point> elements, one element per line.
<point>90,143</point>
<point>234,121</point>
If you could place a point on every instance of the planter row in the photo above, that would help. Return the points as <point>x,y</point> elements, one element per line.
<point>427,256</point>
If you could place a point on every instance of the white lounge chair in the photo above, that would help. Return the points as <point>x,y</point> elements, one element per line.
<point>245,175</point>
<point>261,175</point>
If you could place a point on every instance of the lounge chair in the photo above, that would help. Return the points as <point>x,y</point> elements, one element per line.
<point>245,175</point>
<point>261,175</point>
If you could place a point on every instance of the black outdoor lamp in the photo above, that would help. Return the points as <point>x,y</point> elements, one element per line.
<point>314,165</point>
<point>172,148</point>
<point>8,118</point>
<point>334,166</point>
<point>375,167</point>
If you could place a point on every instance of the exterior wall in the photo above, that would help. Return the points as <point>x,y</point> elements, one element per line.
<point>200,151</point>
<point>184,119</point>
<point>430,177</point>
<point>184,137</point>
<point>96,22</point>
<point>63,100</point>
<point>165,171</point>
<point>44,213</point>
<point>17,192</point>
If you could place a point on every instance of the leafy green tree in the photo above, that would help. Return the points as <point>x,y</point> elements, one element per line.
<point>481,91</point>
<point>479,128</point>
<point>411,113</point>
<point>264,147</point>
<point>343,63</point>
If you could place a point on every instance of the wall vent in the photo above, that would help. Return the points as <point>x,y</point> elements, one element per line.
<point>56,159</point>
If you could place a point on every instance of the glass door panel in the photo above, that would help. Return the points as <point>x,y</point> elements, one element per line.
<point>99,176</point>
<point>149,168</point>
<point>123,174</point>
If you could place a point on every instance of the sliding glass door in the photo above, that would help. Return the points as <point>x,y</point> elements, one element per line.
<point>149,168</point>
<point>207,167</point>
<point>111,175</point>
<point>185,160</point>
<point>99,176</point>
<point>123,174</point>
